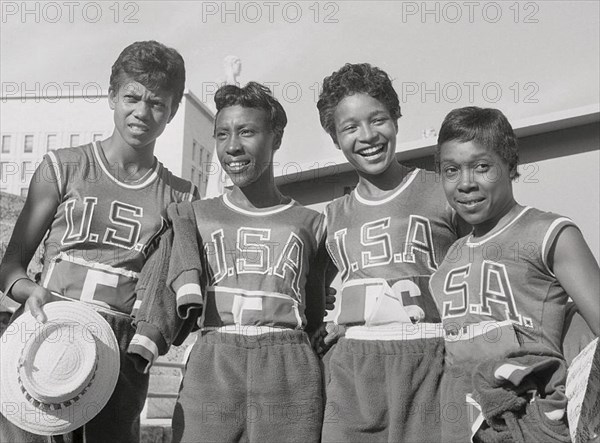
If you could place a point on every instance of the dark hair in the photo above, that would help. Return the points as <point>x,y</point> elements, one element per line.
<point>488,127</point>
<point>152,64</point>
<point>253,95</point>
<point>352,79</point>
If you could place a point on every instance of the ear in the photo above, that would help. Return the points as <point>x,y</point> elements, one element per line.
<point>277,141</point>
<point>112,98</point>
<point>173,112</point>
<point>514,172</point>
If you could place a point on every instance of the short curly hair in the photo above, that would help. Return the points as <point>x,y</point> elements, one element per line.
<point>152,64</point>
<point>488,127</point>
<point>352,79</point>
<point>253,95</point>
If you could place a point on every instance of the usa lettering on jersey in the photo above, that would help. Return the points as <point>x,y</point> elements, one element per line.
<point>493,296</point>
<point>376,246</point>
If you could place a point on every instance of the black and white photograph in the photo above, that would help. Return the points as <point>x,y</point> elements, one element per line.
<point>300,221</point>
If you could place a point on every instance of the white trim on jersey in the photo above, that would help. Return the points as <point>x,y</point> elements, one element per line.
<point>146,343</point>
<point>54,164</point>
<point>470,331</point>
<point>403,332</point>
<point>93,265</point>
<point>193,187</point>
<point>484,240</point>
<point>230,205</point>
<point>408,181</point>
<point>248,330</point>
<point>188,289</point>
<point>545,246</point>
<point>145,182</point>
<point>244,292</point>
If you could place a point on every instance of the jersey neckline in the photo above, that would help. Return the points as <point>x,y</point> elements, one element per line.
<point>148,178</point>
<point>401,187</point>
<point>257,212</point>
<point>487,238</point>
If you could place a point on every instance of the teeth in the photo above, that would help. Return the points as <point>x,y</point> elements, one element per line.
<point>471,202</point>
<point>237,165</point>
<point>371,151</point>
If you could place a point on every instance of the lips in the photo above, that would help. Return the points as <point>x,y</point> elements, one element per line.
<point>237,166</point>
<point>137,128</point>
<point>470,203</point>
<point>372,151</point>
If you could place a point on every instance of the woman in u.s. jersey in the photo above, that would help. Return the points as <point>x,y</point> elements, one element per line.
<point>102,206</point>
<point>386,238</point>
<point>502,291</point>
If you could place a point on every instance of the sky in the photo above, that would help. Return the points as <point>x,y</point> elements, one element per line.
<point>526,58</point>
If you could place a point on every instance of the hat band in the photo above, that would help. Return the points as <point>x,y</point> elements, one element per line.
<point>55,406</point>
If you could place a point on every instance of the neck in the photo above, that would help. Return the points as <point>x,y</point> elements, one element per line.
<point>262,193</point>
<point>509,212</point>
<point>118,151</point>
<point>376,186</point>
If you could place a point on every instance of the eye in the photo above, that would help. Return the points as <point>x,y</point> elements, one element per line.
<point>158,105</point>
<point>220,135</point>
<point>380,120</point>
<point>482,167</point>
<point>247,132</point>
<point>450,171</point>
<point>349,128</point>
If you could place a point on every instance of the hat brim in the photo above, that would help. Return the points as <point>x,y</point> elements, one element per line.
<point>23,412</point>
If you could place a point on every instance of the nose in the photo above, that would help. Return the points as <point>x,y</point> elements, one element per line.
<point>367,135</point>
<point>141,110</point>
<point>234,145</point>
<point>466,182</point>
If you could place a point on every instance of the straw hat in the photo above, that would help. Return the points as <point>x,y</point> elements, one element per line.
<point>56,376</point>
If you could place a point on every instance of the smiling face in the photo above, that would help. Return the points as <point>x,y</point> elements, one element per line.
<point>140,115</point>
<point>366,133</point>
<point>477,183</point>
<point>245,144</point>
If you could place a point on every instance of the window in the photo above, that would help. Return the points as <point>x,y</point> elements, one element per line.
<point>207,167</point>
<point>28,144</point>
<point>24,192</point>
<point>195,151</point>
<point>26,170</point>
<point>51,142</point>
<point>5,143</point>
<point>2,166</point>
<point>74,141</point>
<point>193,174</point>
<point>96,137</point>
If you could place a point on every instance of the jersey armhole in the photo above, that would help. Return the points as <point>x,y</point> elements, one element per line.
<point>550,238</point>
<point>54,164</point>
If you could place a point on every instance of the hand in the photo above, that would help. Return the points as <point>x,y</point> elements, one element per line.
<point>330,299</point>
<point>326,336</point>
<point>334,333</point>
<point>38,297</point>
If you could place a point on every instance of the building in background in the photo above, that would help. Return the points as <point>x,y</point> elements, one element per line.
<point>33,124</point>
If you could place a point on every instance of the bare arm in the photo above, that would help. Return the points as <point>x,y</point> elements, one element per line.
<point>577,272</point>
<point>32,224</point>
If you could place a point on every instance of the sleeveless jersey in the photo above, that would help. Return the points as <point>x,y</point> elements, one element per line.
<point>504,278</point>
<point>390,247</point>
<point>256,262</point>
<point>104,228</point>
